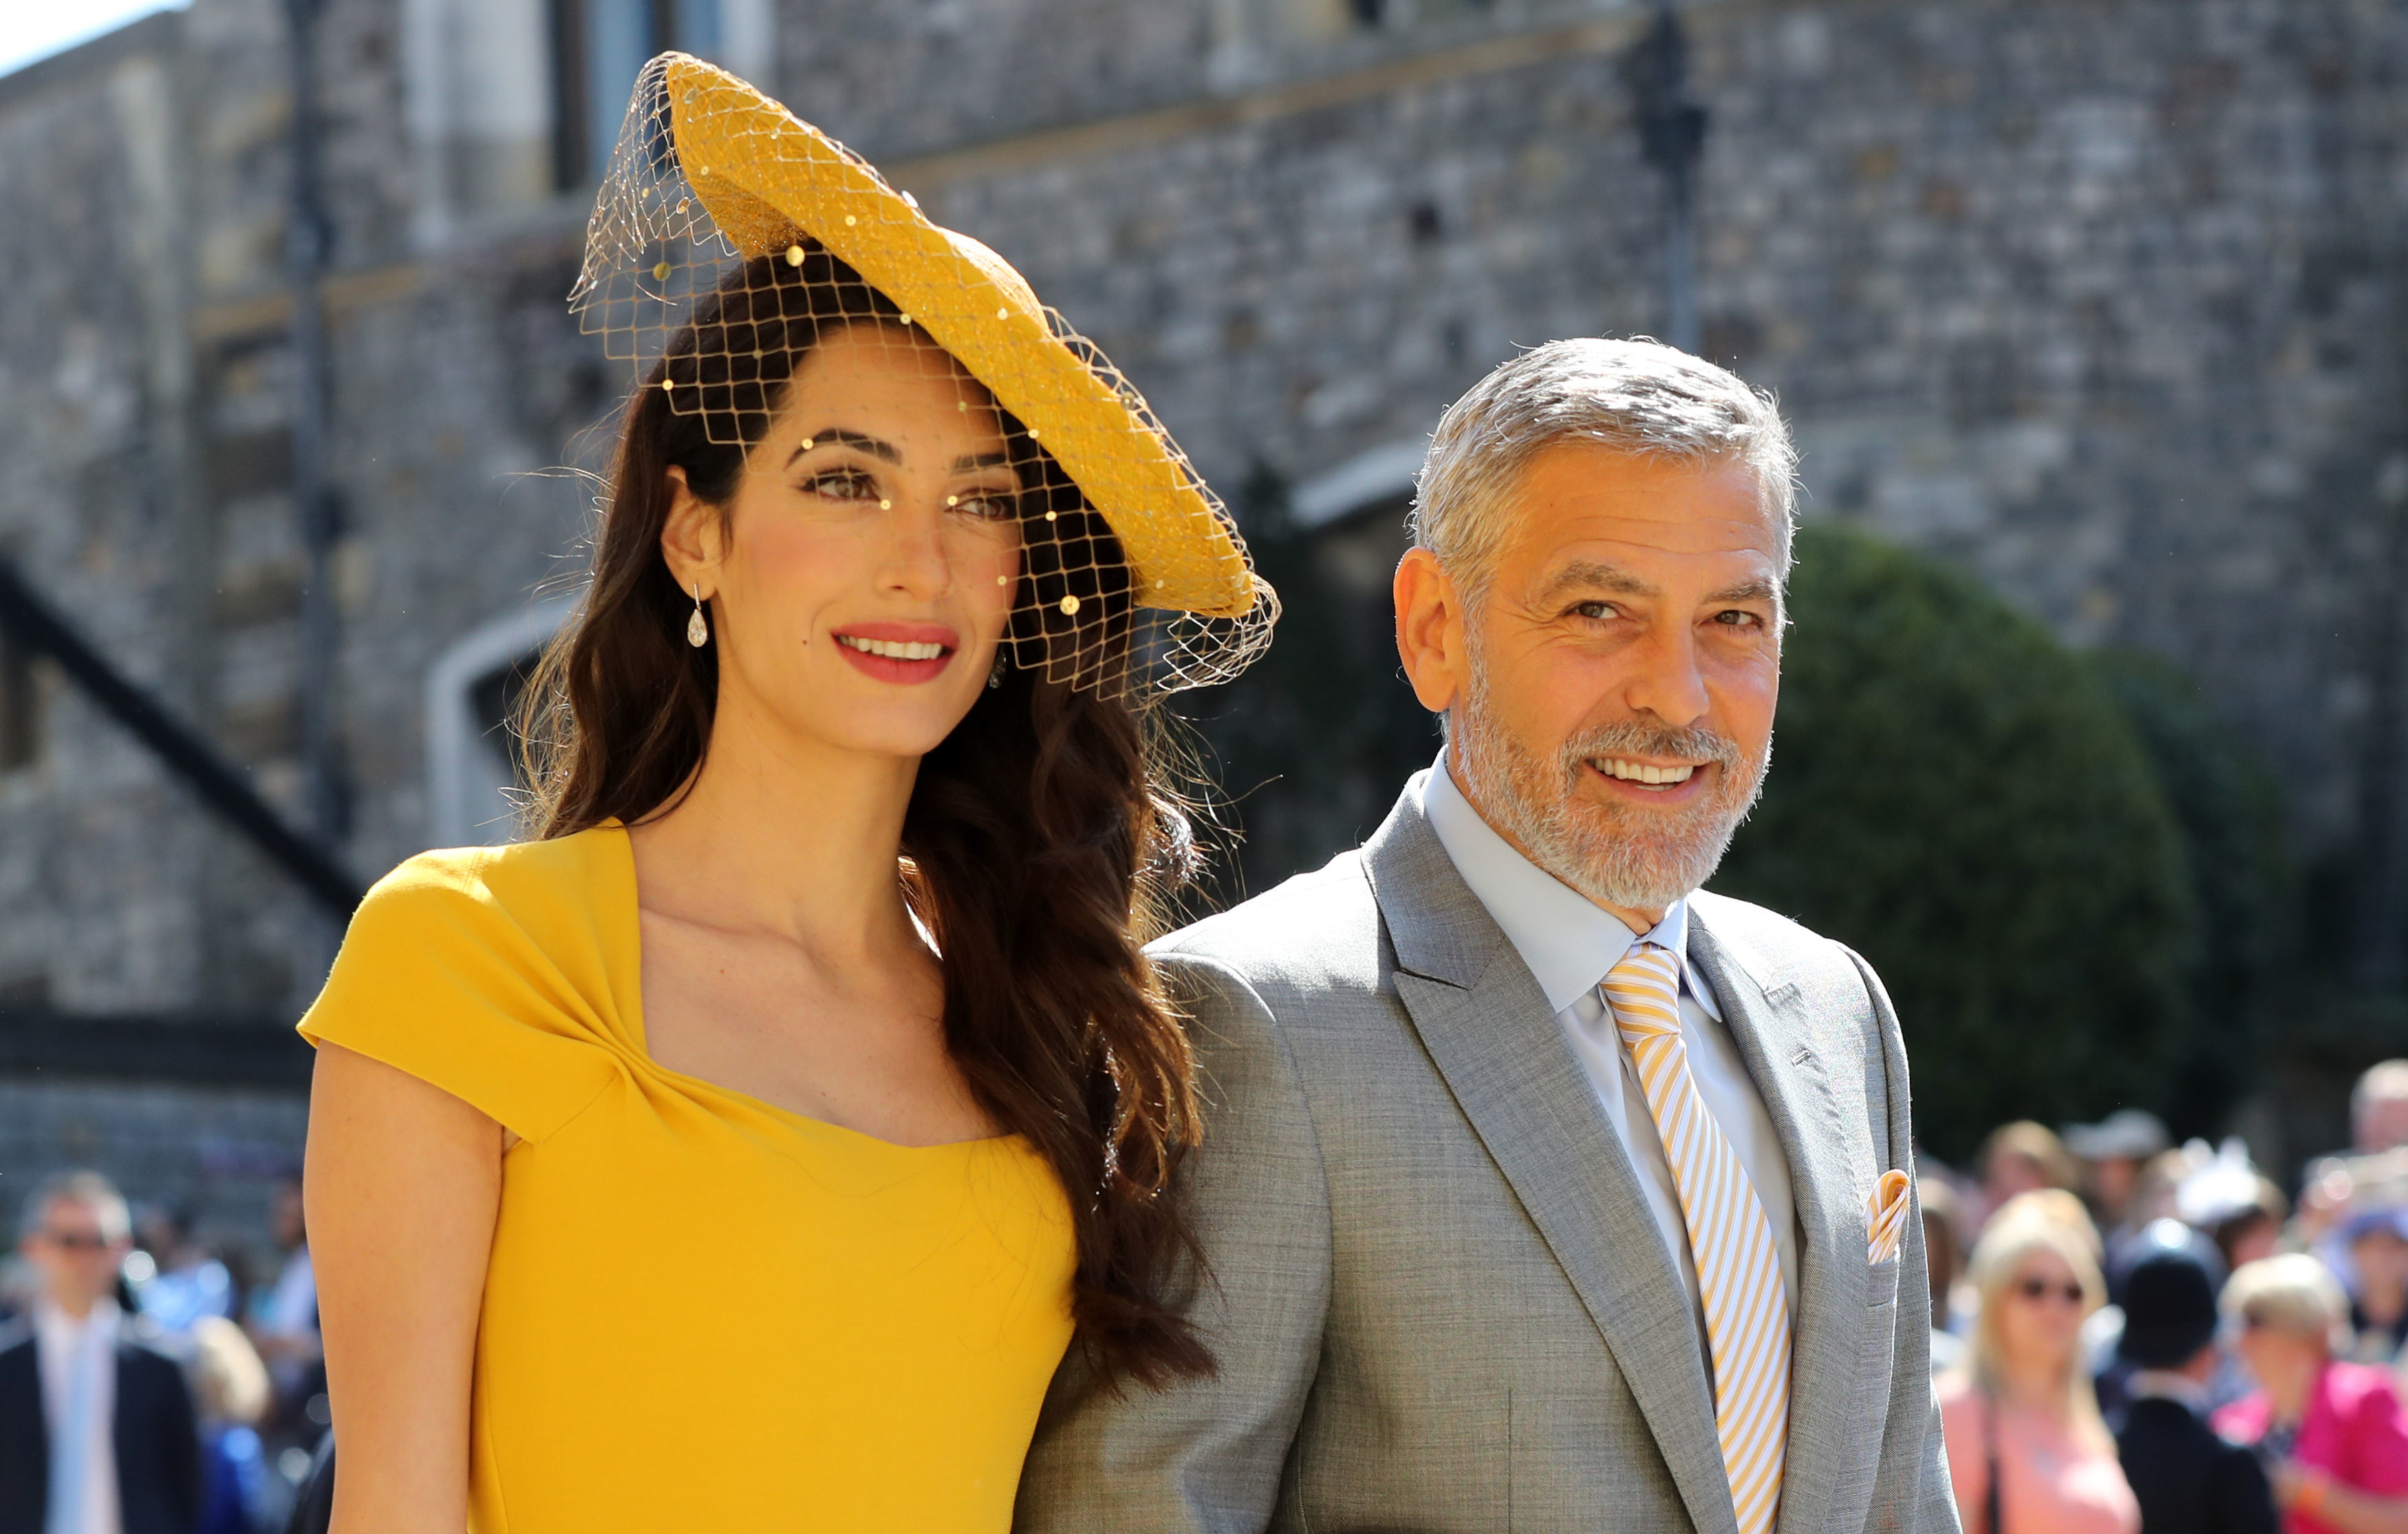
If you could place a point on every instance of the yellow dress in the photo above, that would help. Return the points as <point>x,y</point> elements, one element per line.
<point>702,1312</point>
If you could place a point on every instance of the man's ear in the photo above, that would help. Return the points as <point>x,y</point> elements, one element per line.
<point>1429,630</point>
<point>693,538</point>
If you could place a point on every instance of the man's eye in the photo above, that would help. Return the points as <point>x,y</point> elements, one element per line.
<point>1738,618</point>
<point>1597,611</point>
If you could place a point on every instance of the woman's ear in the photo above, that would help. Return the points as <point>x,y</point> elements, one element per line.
<point>693,538</point>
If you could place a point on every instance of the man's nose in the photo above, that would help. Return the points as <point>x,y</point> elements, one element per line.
<point>1665,681</point>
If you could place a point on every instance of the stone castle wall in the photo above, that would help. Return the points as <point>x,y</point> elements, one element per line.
<point>2095,297</point>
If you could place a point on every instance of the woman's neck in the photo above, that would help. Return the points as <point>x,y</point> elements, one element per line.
<point>2382,1306</point>
<point>2289,1386</point>
<point>787,836</point>
<point>2033,1387</point>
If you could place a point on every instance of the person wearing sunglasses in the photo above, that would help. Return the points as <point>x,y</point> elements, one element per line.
<point>2332,1434</point>
<point>97,1433</point>
<point>2027,1448</point>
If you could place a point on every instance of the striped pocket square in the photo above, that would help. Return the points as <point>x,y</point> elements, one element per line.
<point>1892,1195</point>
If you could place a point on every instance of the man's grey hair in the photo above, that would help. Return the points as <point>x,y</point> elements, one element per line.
<point>2386,1080</point>
<point>1641,398</point>
<point>87,1188</point>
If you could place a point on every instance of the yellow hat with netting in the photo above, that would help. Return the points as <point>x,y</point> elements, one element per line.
<point>715,188</point>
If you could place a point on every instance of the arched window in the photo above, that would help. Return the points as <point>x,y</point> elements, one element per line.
<point>471,759</point>
<point>1375,477</point>
<point>1314,740</point>
<point>598,46</point>
<point>513,103</point>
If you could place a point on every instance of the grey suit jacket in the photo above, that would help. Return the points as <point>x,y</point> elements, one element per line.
<point>1435,1291</point>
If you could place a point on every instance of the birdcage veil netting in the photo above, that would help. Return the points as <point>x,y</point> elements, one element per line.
<point>735,254</point>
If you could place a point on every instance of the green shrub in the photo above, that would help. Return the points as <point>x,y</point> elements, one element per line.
<point>2242,886</point>
<point>1962,800</point>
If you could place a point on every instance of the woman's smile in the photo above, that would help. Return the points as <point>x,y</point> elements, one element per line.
<point>900,653</point>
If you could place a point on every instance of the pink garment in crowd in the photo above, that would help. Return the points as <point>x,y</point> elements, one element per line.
<point>2050,1480</point>
<point>2353,1431</point>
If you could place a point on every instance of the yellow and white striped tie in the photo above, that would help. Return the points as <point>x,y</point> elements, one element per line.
<point>1738,1269</point>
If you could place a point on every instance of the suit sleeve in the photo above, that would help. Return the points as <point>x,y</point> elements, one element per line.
<point>1911,1488</point>
<point>2241,1501</point>
<point>179,1441</point>
<point>1209,1455</point>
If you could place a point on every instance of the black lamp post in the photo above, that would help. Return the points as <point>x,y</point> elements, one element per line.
<point>1673,136</point>
<point>306,239</point>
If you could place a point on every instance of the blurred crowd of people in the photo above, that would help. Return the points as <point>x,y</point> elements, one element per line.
<point>2134,1336</point>
<point>147,1381</point>
<point>2128,1336</point>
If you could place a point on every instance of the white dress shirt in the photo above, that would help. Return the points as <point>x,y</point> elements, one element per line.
<point>2166,1384</point>
<point>1570,944</point>
<point>78,1362</point>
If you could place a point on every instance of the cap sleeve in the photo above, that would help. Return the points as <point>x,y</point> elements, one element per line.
<point>504,1004</point>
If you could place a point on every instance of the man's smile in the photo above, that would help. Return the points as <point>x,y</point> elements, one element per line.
<point>1630,770</point>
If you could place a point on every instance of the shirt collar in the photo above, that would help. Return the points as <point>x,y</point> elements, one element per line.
<point>60,1328</point>
<point>2166,1384</point>
<point>1568,940</point>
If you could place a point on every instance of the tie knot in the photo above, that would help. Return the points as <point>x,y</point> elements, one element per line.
<point>1644,991</point>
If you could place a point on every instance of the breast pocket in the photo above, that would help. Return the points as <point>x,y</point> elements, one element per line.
<point>1875,1360</point>
<point>1881,1284</point>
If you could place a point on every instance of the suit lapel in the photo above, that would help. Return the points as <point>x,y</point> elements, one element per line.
<point>24,1434</point>
<point>1489,1030</point>
<point>1828,1333</point>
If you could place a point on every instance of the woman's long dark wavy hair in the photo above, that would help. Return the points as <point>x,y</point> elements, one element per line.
<point>1041,844</point>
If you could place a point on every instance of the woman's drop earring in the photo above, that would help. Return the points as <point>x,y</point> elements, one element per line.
<point>697,633</point>
<point>994,672</point>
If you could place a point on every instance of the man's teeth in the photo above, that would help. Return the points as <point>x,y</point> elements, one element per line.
<point>901,649</point>
<point>1640,772</point>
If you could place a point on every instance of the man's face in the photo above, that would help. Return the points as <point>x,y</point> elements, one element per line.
<point>77,1258</point>
<point>2383,1123</point>
<point>1613,692</point>
<point>2382,1259</point>
<point>2112,1178</point>
<point>291,1229</point>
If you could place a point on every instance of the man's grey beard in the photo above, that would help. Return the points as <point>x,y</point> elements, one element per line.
<point>1615,854</point>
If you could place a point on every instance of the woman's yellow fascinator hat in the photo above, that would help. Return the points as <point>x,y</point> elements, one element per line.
<point>711,166</point>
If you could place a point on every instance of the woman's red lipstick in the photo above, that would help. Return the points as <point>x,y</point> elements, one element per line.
<point>900,653</point>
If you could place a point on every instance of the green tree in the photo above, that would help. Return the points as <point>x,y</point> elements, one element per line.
<point>1961,800</point>
<point>2243,888</point>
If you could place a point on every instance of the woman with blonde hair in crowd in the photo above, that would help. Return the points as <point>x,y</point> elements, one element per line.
<point>2056,1206</point>
<point>2027,1450</point>
<point>230,1385</point>
<point>2332,1434</point>
<point>2017,1158</point>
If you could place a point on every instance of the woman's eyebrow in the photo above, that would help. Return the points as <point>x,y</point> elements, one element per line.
<point>842,438</point>
<point>981,459</point>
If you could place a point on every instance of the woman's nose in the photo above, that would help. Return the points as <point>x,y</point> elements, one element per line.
<point>918,563</point>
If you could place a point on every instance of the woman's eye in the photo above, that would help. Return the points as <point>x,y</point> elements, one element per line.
<point>985,504</point>
<point>842,484</point>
